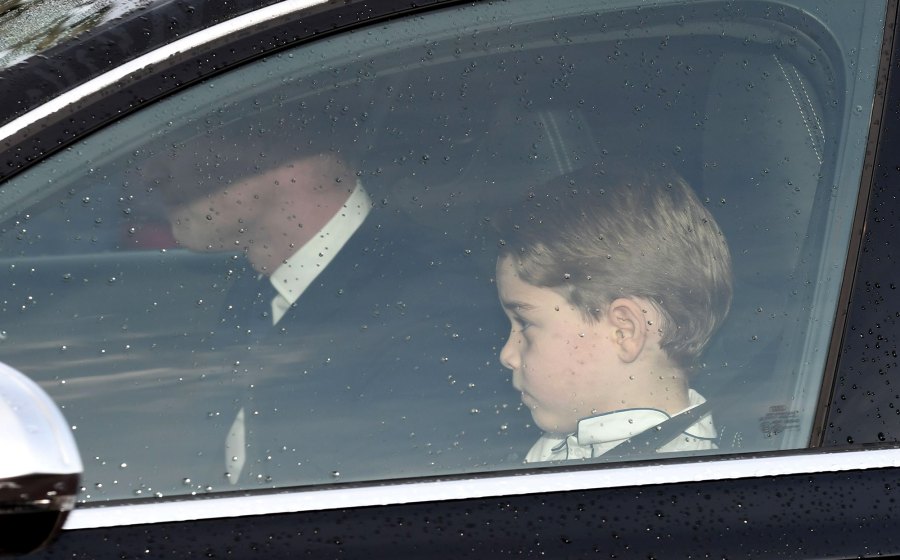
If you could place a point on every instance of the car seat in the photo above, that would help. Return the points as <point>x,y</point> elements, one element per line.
<point>763,143</point>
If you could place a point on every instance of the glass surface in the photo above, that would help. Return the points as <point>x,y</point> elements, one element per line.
<point>138,261</point>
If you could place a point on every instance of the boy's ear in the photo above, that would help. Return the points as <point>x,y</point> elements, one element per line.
<point>630,328</point>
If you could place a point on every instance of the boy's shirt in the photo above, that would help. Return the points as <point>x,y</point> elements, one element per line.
<point>596,435</point>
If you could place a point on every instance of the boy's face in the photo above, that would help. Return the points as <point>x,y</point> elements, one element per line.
<point>565,367</point>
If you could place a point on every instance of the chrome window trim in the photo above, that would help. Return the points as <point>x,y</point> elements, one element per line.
<point>723,468</point>
<point>156,56</point>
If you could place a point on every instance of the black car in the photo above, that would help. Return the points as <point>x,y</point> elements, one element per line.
<point>252,251</point>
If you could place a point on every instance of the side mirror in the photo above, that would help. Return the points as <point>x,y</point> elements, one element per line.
<point>39,465</point>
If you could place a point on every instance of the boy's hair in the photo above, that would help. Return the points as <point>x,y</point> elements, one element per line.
<point>598,235</point>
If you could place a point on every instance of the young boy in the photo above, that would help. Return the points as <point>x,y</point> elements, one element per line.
<point>613,282</point>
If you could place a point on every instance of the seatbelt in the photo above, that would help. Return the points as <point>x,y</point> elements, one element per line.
<point>650,441</point>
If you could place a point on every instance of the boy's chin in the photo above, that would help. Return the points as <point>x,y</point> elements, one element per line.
<point>552,428</point>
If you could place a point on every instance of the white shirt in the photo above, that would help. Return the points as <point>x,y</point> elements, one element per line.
<point>596,435</point>
<point>296,274</point>
<point>290,280</point>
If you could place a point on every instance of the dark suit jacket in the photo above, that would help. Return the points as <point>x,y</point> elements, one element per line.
<point>385,367</point>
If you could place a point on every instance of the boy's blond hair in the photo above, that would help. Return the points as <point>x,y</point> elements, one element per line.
<point>636,232</point>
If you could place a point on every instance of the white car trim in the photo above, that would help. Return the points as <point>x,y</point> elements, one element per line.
<point>192,41</point>
<point>723,468</point>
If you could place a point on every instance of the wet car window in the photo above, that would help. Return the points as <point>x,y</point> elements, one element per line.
<point>288,275</point>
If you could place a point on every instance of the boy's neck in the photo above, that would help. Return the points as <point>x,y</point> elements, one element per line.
<point>662,388</point>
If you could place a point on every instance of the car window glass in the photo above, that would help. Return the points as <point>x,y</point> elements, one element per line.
<point>141,261</point>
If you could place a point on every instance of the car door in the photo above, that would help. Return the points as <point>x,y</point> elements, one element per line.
<point>372,411</point>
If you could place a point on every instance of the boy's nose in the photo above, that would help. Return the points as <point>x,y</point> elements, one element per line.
<point>509,354</point>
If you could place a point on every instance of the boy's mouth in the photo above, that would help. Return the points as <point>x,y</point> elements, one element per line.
<point>524,395</point>
<point>526,398</point>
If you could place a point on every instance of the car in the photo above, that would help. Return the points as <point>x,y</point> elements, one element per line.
<point>250,374</point>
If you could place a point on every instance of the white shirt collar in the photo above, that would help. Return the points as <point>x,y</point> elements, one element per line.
<point>595,435</point>
<point>295,275</point>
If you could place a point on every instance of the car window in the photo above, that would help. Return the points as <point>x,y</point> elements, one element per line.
<point>288,275</point>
